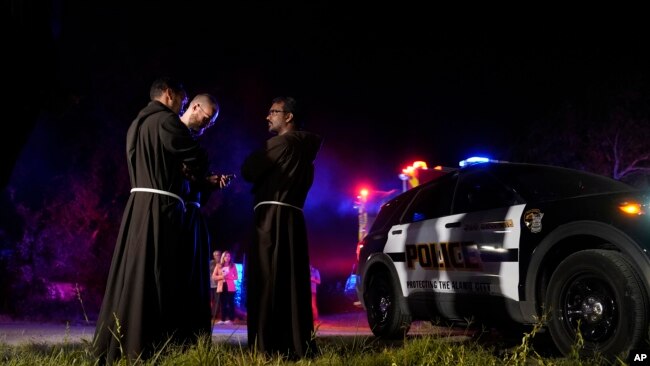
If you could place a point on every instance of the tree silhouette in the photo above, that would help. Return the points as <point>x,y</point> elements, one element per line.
<point>621,148</point>
<point>608,138</point>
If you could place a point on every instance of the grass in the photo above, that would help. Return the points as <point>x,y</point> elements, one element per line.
<point>333,351</point>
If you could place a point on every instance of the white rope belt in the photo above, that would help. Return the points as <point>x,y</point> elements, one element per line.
<point>276,203</point>
<point>158,191</point>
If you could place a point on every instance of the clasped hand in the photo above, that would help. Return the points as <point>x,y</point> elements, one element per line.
<point>213,180</point>
<point>220,180</point>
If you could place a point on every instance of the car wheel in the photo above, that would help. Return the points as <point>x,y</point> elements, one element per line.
<point>387,312</point>
<point>597,294</point>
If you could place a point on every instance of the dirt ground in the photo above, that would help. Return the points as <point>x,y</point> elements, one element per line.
<point>352,323</point>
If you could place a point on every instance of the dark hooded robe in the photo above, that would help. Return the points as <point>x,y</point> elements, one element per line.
<point>199,320</point>
<point>278,277</point>
<point>144,304</point>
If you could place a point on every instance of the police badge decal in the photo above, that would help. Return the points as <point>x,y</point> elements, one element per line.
<point>533,220</point>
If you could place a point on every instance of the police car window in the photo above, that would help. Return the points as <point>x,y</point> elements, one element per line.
<point>481,190</point>
<point>432,200</point>
<point>389,212</point>
<point>538,184</point>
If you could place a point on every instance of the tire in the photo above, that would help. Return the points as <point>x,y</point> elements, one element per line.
<point>599,294</point>
<point>388,316</point>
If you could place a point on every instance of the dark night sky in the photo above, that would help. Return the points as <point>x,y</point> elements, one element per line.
<point>384,86</point>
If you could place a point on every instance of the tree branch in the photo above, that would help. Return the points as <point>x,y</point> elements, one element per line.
<point>633,166</point>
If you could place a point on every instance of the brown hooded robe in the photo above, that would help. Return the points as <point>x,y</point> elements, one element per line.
<point>278,277</point>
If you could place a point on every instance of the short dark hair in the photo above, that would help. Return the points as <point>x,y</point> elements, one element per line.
<point>290,105</point>
<point>163,83</point>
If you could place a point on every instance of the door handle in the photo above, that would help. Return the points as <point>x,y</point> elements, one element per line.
<point>395,232</point>
<point>452,224</point>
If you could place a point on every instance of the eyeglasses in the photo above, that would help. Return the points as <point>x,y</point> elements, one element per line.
<point>211,118</point>
<point>274,111</point>
<point>206,113</point>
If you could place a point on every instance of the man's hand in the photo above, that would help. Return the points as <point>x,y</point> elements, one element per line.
<point>220,180</point>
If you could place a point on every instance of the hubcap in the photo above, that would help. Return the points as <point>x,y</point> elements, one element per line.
<point>592,309</point>
<point>380,300</point>
<point>589,307</point>
<point>384,305</point>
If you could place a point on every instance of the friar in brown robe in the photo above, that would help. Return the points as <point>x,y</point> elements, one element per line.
<point>144,305</point>
<point>278,277</point>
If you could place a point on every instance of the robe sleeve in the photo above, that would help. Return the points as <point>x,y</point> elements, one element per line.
<point>259,163</point>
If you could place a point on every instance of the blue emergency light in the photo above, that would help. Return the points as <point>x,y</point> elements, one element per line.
<point>474,160</point>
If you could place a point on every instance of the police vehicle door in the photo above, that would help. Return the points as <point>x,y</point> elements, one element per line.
<point>415,243</point>
<point>482,236</point>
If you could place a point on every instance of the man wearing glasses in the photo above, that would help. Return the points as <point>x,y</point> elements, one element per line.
<point>200,115</point>
<point>279,287</point>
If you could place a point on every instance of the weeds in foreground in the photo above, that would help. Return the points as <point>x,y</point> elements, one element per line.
<point>81,302</point>
<point>332,351</point>
<point>520,354</point>
<point>442,348</point>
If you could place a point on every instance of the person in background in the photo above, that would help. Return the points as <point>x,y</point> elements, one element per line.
<point>279,291</point>
<point>214,296</point>
<point>144,303</point>
<point>226,274</point>
<point>315,281</point>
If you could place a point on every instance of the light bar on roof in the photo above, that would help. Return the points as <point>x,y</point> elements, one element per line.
<point>473,160</point>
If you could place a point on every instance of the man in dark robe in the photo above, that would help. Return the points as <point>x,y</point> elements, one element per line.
<point>143,306</point>
<point>199,316</point>
<point>278,277</point>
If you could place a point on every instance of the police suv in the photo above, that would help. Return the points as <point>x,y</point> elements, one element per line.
<point>525,241</point>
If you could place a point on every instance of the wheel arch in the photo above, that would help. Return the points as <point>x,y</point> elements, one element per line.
<point>377,262</point>
<point>581,235</point>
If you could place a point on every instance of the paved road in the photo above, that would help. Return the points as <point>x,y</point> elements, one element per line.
<point>346,324</point>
